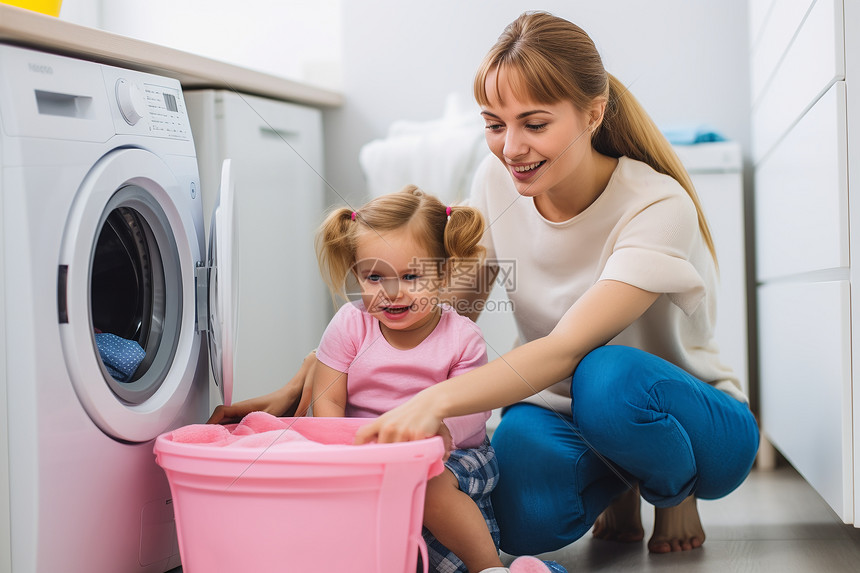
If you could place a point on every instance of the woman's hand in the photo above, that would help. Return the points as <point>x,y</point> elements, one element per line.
<point>445,434</point>
<point>293,398</point>
<point>416,419</point>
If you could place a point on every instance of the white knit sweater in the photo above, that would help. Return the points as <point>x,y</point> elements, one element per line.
<point>642,230</point>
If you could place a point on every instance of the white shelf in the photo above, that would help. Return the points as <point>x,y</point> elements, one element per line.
<point>30,29</point>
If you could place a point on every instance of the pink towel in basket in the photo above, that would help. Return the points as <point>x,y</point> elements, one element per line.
<point>256,430</point>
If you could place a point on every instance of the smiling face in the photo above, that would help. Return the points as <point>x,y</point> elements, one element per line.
<point>399,281</point>
<point>544,146</point>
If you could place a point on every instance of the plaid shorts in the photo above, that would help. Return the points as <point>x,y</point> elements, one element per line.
<point>477,473</point>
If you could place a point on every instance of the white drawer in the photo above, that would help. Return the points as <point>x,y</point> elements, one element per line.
<point>814,59</point>
<point>805,385</point>
<point>801,195</point>
<point>774,36</point>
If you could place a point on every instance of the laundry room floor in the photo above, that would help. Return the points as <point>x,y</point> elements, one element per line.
<point>774,522</point>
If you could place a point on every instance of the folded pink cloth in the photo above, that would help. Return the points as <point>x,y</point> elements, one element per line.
<point>256,430</point>
<point>274,438</point>
<point>201,434</point>
<point>259,422</point>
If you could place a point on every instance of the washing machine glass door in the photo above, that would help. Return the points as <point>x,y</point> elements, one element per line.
<point>126,295</point>
<point>223,283</point>
<point>132,271</point>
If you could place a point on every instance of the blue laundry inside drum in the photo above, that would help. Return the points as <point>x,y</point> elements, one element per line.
<point>120,356</point>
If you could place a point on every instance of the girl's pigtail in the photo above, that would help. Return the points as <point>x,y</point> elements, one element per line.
<point>463,233</point>
<point>335,247</point>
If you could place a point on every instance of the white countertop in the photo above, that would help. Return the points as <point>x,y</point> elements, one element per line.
<point>30,29</point>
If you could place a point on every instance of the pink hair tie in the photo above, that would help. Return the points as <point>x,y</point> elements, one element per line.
<point>448,211</point>
<point>352,216</point>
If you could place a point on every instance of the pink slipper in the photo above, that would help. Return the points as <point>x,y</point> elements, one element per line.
<point>528,564</point>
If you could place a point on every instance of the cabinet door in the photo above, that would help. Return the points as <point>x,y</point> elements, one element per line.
<point>802,195</point>
<point>812,62</point>
<point>804,338</point>
<point>773,25</point>
<point>276,153</point>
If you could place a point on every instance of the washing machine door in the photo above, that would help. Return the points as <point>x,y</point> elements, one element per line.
<point>126,294</point>
<point>223,283</point>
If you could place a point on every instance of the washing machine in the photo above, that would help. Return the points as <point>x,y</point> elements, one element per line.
<point>105,303</point>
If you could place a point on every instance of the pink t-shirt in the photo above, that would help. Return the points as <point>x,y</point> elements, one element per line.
<point>380,377</point>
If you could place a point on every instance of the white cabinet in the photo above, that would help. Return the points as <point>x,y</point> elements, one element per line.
<point>276,151</point>
<point>716,171</point>
<point>802,194</point>
<point>794,77</point>
<point>805,388</point>
<point>803,55</point>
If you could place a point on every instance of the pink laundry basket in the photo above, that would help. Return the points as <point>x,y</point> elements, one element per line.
<point>339,508</point>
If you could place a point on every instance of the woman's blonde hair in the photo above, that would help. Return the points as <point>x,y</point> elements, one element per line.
<point>451,235</point>
<point>555,60</point>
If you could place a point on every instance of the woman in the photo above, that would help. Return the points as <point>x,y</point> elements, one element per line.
<point>617,389</point>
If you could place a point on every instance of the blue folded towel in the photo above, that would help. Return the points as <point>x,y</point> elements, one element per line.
<point>120,356</point>
<point>692,135</point>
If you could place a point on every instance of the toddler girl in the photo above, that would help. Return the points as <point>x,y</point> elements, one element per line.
<point>395,255</point>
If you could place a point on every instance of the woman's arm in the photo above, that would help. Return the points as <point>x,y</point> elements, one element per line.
<point>329,392</point>
<point>606,309</point>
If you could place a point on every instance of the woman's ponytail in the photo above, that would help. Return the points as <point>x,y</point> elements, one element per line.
<point>628,130</point>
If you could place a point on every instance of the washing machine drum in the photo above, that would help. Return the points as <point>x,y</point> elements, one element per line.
<point>128,302</point>
<point>128,295</point>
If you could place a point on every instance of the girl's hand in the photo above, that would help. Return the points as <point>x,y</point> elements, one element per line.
<point>293,398</point>
<point>275,403</point>
<point>445,434</point>
<point>414,420</point>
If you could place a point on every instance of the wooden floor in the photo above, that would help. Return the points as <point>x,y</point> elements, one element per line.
<point>774,522</point>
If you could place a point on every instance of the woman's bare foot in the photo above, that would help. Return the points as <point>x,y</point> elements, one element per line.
<point>677,528</point>
<point>622,520</point>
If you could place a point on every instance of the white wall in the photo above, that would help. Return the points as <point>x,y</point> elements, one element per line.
<point>82,12</point>
<point>687,62</point>
<point>297,39</point>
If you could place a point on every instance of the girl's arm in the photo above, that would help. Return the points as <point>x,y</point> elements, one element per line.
<point>292,399</point>
<point>329,392</point>
<point>597,317</point>
<point>470,430</point>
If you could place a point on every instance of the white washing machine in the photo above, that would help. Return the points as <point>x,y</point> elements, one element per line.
<point>102,295</point>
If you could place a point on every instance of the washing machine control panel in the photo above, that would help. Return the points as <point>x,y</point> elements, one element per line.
<point>51,96</point>
<point>166,110</point>
<point>161,107</point>
<point>147,105</point>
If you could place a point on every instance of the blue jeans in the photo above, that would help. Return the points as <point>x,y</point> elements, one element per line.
<point>635,419</point>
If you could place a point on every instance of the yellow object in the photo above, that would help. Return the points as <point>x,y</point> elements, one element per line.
<point>49,7</point>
